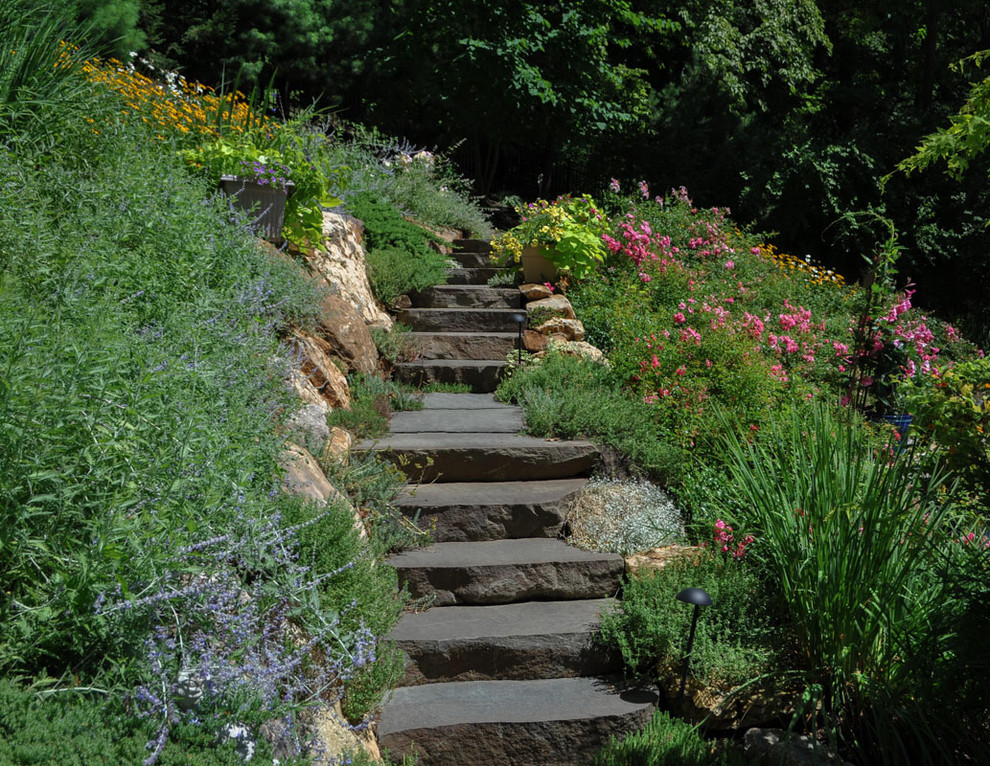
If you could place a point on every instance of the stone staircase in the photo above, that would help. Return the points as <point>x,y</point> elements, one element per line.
<point>462,331</point>
<point>501,668</point>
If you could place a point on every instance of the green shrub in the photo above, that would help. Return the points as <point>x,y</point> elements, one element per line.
<point>400,258</point>
<point>82,728</point>
<point>393,271</point>
<point>738,637</point>
<point>668,741</point>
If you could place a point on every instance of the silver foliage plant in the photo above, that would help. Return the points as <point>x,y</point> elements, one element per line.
<point>624,517</point>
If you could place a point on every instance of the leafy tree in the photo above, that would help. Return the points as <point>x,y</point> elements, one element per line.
<point>112,23</point>
<point>507,73</point>
<point>309,48</point>
<point>967,135</point>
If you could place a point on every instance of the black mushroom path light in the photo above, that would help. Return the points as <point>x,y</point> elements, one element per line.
<point>699,598</point>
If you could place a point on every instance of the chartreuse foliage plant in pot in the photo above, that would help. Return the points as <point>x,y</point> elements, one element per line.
<point>567,232</point>
<point>255,157</point>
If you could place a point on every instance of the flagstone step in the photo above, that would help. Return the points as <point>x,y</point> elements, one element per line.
<point>462,319</point>
<point>476,276</point>
<point>463,345</point>
<point>473,260</point>
<point>532,639</point>
<point>495,420</point>
<point>448,457</point>
<point>504,571</point>
<point>439,401</point>
<point>468,296</point>
<point>547,722</point>
<point>469,245</point>
<point>477,511</point>
<point>481,375</point>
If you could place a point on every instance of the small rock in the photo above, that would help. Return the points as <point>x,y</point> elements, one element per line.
<point>246,743</point>
<point>534,291</point>
<point>776,746</point>
<point>564,329</point>
<point>555,305</point>
<point>304,477</point>
<point>534,341</point>
<point>580,349</point>
<point>402,302</point>
<point>344,329</point>
<point>658,558</point>
<point>334,738</point>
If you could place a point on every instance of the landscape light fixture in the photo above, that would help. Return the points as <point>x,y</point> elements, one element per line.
<point>699,598</point>
<point>519,319</point>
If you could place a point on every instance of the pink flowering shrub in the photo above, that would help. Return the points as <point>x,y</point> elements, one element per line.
<point>724,541</point>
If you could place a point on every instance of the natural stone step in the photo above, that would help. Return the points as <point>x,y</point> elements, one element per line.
<point>555,722</point>
<point>475,511</point>
<point>462,319</point>
<point>473,260</point>
<point>495,420</point>
<point>439,401</point>
<point>445,457</point>
<point>468,245</point>
<point>505,571</point>
<point>468,296</point>
<point>480,374</point>
<point>532,639</point>
<point>479,276</point>
<point>463,345</point>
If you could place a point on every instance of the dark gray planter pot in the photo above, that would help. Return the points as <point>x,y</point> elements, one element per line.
<point>264,205</point>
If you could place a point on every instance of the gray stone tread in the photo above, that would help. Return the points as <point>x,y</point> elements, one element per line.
<point>497,553</point>
<point>527,618</point>
<point>438,441</point>
<point>468,296</point>
<point>461,334</point>
<point>482,493</point>
<point>554,699</point>
<point>455,364</point>
<point>506,421</point>
<point>464,402</point>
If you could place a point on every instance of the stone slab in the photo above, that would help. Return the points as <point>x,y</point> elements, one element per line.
<point>504,421</point>
<point>482,375</point>
<point>463,345</point>
<point>555,722</point>
<point>475,511</point>
<point>470,245</point>
<point>461,319</point>
<point>478,276</point>
<point>427,457</point>
<point>532,639</point>
<point>464,402</point>
<point>473,260</point>
<point>506,571</point>
<point>468,296</point>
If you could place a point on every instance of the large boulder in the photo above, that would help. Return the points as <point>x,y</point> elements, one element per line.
<point>342,326</point>
<point>341,263</point>
<point>305,478</point>
<point>308,427</point>
<point>313,357</point>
